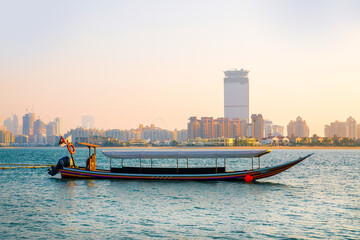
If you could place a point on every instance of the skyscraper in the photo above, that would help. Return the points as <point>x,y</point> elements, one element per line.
<point>298,128</point>
<point>16,127</point>
<point>236,94</point>
<point>39,127</point>
<point>347,129</point>
<point>88,122</point>
<point>351,126</point>
<point>268,127</point>
<point>13,125</point>
<point>28,124</point>
<point>257,126</point>
<point>58,130</point>
<point>8,124</point>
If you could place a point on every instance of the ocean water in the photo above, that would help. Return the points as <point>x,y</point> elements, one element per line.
<point>317,199</point>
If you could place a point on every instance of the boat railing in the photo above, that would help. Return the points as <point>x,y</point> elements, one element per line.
<point>178,160</point>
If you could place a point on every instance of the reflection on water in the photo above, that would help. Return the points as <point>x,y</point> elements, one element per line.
<point>318,198</point>
<point>91,183</point>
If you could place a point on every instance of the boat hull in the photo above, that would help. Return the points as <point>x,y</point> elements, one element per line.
<point>236,175</point>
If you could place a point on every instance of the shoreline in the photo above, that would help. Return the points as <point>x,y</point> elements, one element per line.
<point>210,147</point>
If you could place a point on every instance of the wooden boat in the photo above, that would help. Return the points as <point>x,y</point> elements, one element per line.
<point>217,172</point>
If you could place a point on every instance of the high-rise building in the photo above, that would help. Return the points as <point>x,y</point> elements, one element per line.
<point>235,127</point>
<point>208,128</point>
<point>8,124</point>
<point>327,131</point>
<point>272,129</point>
<point>335,129</point>
<point>182,135</point>
<point>58,129</point>
<point>223,127</point>
<point>257,126</point>
<point>88,122</point>
<point>154,134</point>
<point>6,137</point>
<point>50,129</point>
<point>28,124</point>
<point>13,125</point>
<point>193,128</point>
<point>351,126</point>
<point>299,128</point>
<point>347,129</point>
<point>244,129</point>
<point>278,130</point>
<point>236,94</point>
<point>268,127</point>
<point>16,126</point>
<point>39,136</point>
<point>39,127</point>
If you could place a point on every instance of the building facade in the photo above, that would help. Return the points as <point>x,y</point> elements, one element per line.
<point>13,125</point>
<point>298,128</point>
<point>6,137</point>
<point>209,128</point>
<point>257,126</point>
<point>348,129</point>
<point>28,124</point>
<point>278,130</point>
<point>268,128</point>
<point>236,94</point>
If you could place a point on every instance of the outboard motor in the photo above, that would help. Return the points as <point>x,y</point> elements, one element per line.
<point>63,162</point>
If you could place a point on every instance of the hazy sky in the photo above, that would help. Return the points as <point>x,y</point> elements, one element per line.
<point>132,62</point>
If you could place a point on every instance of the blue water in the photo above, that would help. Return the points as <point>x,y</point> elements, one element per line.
<point>319,198</point>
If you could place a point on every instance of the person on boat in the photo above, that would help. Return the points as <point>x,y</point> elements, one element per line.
<point>65,161</point>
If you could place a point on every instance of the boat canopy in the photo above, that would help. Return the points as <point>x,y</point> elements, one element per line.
<point>170,153</point>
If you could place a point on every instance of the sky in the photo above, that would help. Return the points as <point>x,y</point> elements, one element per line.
<point>160,62</point>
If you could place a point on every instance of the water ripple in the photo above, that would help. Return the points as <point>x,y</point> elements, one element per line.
<point>318,198</point>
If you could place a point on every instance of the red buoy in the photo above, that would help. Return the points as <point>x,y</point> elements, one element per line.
<point>248,178</point>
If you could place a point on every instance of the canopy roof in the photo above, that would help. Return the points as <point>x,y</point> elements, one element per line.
<point>88,144</point>
<point>174,153</point>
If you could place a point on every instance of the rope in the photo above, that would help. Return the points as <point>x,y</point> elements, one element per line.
<point>42,166</point>
<point>23,164</point>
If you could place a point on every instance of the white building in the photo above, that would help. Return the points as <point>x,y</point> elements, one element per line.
<point>278,130</point>
<point>268,128</point>
<point>236,94</point>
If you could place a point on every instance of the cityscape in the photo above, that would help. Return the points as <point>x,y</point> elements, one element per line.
<point>164,119</point>
<point>235,128</point>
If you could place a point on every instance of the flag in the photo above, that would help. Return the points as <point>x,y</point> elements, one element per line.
<point>64,142</point>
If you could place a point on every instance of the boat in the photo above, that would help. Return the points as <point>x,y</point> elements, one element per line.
<point>68,169</point>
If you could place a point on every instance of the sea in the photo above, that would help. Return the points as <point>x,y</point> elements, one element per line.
<point>316,199</point>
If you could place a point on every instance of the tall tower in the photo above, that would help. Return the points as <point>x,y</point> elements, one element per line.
<point>16,127</point>
<point>58,129</point>
<point>236,94</point>
<point>257,126</point>
<point>88,122</point>
<point>28,124</point>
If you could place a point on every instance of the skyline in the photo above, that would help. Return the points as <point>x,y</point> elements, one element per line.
<point>349,128</point>
<point>136,62</point>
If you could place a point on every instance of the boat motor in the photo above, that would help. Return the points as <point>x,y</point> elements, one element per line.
<point>63,162</point>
